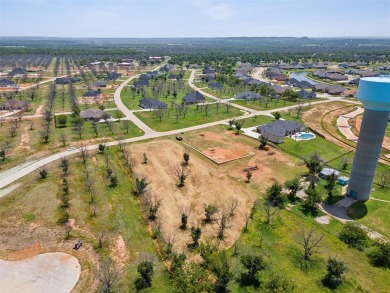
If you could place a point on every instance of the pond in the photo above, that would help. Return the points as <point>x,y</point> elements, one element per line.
<point>301,76</point>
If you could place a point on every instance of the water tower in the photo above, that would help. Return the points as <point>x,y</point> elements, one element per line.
<point>374,93</point>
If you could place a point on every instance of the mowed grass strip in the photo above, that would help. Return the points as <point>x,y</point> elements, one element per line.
<point>193,117</point>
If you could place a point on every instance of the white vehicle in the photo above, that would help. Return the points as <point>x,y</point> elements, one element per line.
<point>71,149</point>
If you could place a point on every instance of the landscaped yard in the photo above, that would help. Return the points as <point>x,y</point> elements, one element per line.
<point>193,117</point>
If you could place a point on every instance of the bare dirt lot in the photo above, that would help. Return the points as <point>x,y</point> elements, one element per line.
<point>207,183</point>
<point>49,272</point>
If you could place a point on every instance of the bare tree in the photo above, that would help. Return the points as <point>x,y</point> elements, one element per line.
<point>206,108</point>
<point>94,209</point>
<point>12,130</point>
<point>269,211</point>
<point>126,125</point>
<point>45,132</point>
<point>159,113</point>
<point>309,242</point>
<point>170,240</point>
<point>223,221</point>
<point>83,153</point>
<point>181,173</point>
<point>184,214</point>
<point>231,206</point>
<point>108,275</point>
<point>63,138</point>
<point>228,106</point>
<point>4,147</point>
<point>299,109</point>
<point>101,237</point>
<point>384,179</point>
<point>79,128</point>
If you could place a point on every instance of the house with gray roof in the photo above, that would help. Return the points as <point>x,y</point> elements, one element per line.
<point>18,71</point>
<point>335,89</point>
<point>248,96</point>
<point>141,83</point>
<point>7,83</point>
<point>113,75</point>
<point>152,104</point>
<point>276,131</point>
<point>12,105</point>
<point>94,115</point>
<point>99,83</point>
<point>194,98</point>
<point>306,94</point>
<point>215,85</point>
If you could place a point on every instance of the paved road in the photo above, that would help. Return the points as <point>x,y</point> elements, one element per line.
<point>18,172</point>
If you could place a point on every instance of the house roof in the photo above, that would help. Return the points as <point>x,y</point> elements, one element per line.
<point>91,93</point>
<point>279,127</point>
<point>100,83</point>
<point>113,75</point>
<point>335,89</point>
<point>194,97</point>
<point>249,95</point>
<point>141,83</point>
<point>18,70</point>
<point>92,114</point>
<point>306,95</point>
<point>329,172</point>
<point>215,85</point>
<point>151,103</point>
<point>11,103</point>
<point>7,82</point>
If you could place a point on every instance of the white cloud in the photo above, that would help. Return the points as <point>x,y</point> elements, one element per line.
<point>217,11</point>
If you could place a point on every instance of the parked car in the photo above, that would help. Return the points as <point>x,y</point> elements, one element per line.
<point>179,138</point>
<point>71,149</point>
<point>78,245</point>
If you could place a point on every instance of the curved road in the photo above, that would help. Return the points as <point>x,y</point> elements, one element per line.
<point>13,174</point>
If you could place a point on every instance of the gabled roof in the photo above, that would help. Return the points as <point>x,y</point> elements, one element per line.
<point>11,103</point>
<point>141,83</point>
<point>151,103</point>
<point>335,89</point>
<point>7,82</point>
<point>279,127</point>
<point>100,83</point>
<point>194,97</point>
<point>249,95</point>
<point>113,75</point>
<point>92,114</point>
<point>174,76</point>
<point>18,70</point>
<point>306,95</point>
<point>215,85</point>
<point>145,77</point>
<point>92,93</point>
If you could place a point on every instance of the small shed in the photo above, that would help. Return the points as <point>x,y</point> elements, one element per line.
<point>343,180</point>
<point>326,172</point>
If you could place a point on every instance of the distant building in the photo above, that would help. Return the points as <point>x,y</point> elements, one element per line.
<point>248,96</point>
<point>99,83</point>
<point>152,104</point>
<point>113,76</point>
<point>94,115</point>
<point>276,131</point>
<point>326,172</point>
<point>18,71</point>
<point>93,97</point>
<point>194,98</point>
<point>141,83</point>
<point>12,105</point>
<point>215,85</point>
<point>7,83</point>
<point>306,95</point>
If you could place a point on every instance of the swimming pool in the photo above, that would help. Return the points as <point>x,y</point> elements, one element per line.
<point>303,136</point>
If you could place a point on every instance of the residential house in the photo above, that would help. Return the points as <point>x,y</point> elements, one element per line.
<point>350,93</point>
<point>354,81</point>
<point>174,77</point>
<point>276,131</point>
<point>145,77</point>
<point>99,84</point>
<point>326,172</point>
<point>12,105</point>
<point>64,80</point>
<point>319,87</point>
<point>215,86</point>
<point>141,83</point>
<point>18,71</point>
<point>194,98</point>
<point>7,83</point>
<point>113,76</point>
<point>92,97</point>
<point>94,115</point>
<point>306,95</point>
<point>207,71</point>
<point>152,104</point>
<point>248,96</point>
<point>334,89</point>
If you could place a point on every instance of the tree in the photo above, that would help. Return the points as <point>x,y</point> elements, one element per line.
<point>353,235</point>
<point>331,182</point>
<point>62,120</point>
<point>269,211</point>
<point>192,278</point>
<point>42,172</point>
<point>293,186</point>
<point>63,138</point>
<point>263,142</point>
<point>184,218</point>
<point>309,242</point>
<point>252,263</point>
<point>210,210</point>
<point>79,128</point>
<point>45,132</point>
<point>222,269</point>
<point>238,125</point>
<point>140,186</point>
<point>126,125</point>
<point>273,194</point>
<point>335,270</point>
<point>384,178</point>
<point>159,113</point>
<point>312,200</point>
<point>277,115</point>
<point>196,232</point>
<point>344,162</point>
<point>222,225</point>
<point>380,255</point>
<point>102,147</point>
<point>248,176</point>
<point>186,157</point>
<point>181,174</point>
<point>231,123</point>
<point>228,106</point>
<point>145,271</point>
<point>108,276</point>
<point>113,181</point>
<point>314,163</point>
<point>145,161</point>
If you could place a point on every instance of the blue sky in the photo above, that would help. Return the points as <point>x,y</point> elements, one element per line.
<point>194,18</point>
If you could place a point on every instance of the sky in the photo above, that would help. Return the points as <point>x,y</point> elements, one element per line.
<point>195,18</point>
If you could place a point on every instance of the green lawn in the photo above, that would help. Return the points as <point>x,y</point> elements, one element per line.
<point>260,106</point>
<point>326,150</point>
<point>193,117</point>
<point>283,257</point>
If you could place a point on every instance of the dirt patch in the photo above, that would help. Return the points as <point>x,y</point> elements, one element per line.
<point>325,220</point>
<point>25,252</point>
<point>25,139</point>
<point>119,252</point>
